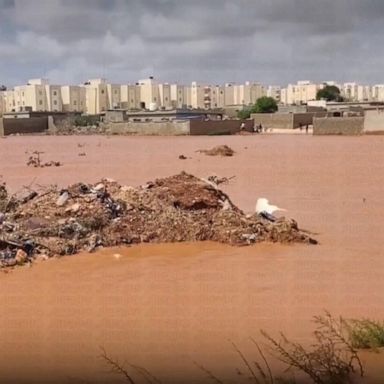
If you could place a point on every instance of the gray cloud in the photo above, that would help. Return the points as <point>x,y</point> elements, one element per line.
<point>271,41</point>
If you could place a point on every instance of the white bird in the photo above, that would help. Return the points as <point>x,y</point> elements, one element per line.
<point>262,205</point>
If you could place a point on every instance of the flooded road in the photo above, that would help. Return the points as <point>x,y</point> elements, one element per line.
<point>165,306</point>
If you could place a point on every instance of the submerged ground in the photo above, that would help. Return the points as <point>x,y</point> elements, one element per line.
<point>164,306</point>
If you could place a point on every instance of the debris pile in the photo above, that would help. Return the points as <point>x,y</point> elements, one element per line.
<point>220,150</point>
<point>35,161</point>
<point>84,217</point>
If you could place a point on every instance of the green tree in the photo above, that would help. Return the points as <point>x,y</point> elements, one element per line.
<point>329,93</point>
<point>263,105</point>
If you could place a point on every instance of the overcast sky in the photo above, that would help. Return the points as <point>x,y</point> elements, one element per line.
<point>214,41</point>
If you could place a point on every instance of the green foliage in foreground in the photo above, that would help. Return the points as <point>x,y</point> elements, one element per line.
<point>366,334</point>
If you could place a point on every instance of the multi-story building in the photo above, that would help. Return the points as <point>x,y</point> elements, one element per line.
<point>378,92</point>
<point>199,96</point>
<point>248,93</point>
<point>149,93</point>
<point>229,94</point>
<point>73,98</point>
<point>350,91</point>
<point>364,93</point>
<point>114,96</point>
<point>177,96</point>
<point>165,99</point>
<point>130,96</point>
<point>2,102</point>
<point>96,96</point>
<point>274,91</point>
<point>300,93</point>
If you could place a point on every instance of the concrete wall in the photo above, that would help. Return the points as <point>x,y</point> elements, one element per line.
<point>306,118</point>
<point>31,125</point>
<point>168,128</point>
<point>338,126</point>
<point>273,120</point>
<point>374,121</point>
<point>219,127</point>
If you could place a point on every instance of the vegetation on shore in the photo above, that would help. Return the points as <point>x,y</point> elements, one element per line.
<point>332,358</point>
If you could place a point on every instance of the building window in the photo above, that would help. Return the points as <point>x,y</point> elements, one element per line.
<point>40,102</point>
<point>40,93</point>
<point>166,99</point>
<point>131,101</point>
<point>54,102</point>
<point>74,102</point>
<point>115,91</point>
<point>102,91</point>
<point>54,93</point>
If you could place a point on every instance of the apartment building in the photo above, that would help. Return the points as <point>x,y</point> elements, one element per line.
<point>177,96</point>
<point>96,96</point>
<point>350,91</point>
<point>274,91</point>
<point>130,96</point>
<point>229,94</point>
<point>2,102</point>
<point>300,93</point>
<point>73,98</point>
<point>149,93</point>
<point>378,92</point>
<point>165,99</point>
<point>199,95</point>
<point>114,96</point>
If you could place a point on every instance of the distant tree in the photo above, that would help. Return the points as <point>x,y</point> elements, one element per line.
<point>3,88</point>
<point>329,93</point>
<point>263,105</point>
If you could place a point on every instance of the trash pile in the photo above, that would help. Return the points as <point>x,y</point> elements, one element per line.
<point>35,161</point>
<point>220,150</point>
<point>84,217</point>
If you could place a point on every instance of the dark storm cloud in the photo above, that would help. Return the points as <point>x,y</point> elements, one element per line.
<point>272,41</point>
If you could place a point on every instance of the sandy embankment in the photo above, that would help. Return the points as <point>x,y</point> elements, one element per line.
<point>164,306</point>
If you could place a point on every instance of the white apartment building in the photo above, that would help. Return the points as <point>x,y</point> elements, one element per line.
<point>165,99</point>
<point>229,94</point>
<point>274,91</point>
<point>2,102</point>
<point>149,93</point>
<point>378,92</point>
<point>300,93</point>
<point>177,96</point>
<point>248,93</point>
<point>96,96</point>
<point>350,91</point>
<point>198,95</point>
<point>114,96</point>
<point>130,97</point>
<point>73,98</point>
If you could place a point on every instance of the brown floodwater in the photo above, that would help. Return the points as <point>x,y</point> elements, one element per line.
<point>165,306</point>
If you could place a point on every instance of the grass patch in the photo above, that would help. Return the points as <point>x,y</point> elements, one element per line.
<point>365,334</point>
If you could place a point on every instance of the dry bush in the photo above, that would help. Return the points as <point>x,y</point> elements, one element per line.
<point>365,334</point>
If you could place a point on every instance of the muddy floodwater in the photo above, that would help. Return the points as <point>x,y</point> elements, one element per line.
<point>165,306</point>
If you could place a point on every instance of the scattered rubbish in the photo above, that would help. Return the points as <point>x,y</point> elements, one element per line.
<point>220,180</point>
<point>85,217</point>
<point>182,157</point>
<point>220,150</point>
<point>35,161</point>
<point>82,154</point>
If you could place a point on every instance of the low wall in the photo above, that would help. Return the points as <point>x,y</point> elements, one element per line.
<point>338,126</point>
<point>374,121</point>
<point>219,127</point>
<point>25,126</point>
<point>273,120</point>
<point>168,128</point>
<point>303,119</point>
